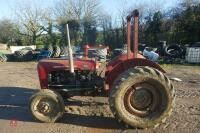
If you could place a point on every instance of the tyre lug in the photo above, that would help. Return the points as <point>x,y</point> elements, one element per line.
<point>163,120</point>
<point>156,126</point>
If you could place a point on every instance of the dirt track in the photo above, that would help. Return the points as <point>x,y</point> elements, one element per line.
<point>18,81</point>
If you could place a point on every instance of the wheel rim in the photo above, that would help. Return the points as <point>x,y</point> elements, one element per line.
<point>44,107</point>
<point>141,99</point>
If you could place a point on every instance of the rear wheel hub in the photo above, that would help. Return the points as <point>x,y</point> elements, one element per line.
<point>43,107</point>
<point>141,98</point>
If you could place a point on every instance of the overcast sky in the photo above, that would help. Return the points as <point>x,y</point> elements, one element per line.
<point>110,6</point>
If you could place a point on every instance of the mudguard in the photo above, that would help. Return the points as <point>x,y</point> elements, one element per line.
<point>121,64</point>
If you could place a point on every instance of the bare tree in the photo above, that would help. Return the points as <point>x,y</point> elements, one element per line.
<point>7,32</point>
<point>83,12</point>
<point>62,11</point>
<point>104,23</point>
<point>123,11</point>
<point>184,4</point>
<point>30,19</point>
<point>76,10</point>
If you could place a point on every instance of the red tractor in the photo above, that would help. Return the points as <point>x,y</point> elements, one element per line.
<point>140,94</point>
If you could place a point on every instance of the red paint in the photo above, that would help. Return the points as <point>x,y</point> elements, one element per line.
<point>48,65</point>
<point>43,76</point>
<point>121,63</point>
<point>13,123</point>
<point>86,47</point>
<point>136,14</point>
<point>128,36</point>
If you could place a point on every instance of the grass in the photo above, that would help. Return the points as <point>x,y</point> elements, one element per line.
<point>167,66</point>
<point>5,51</point>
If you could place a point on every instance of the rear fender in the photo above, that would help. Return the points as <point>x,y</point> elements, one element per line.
<point>113,72</point>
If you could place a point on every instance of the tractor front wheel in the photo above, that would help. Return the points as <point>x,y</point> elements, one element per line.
<point>47,106</point>
<point>142,97</point>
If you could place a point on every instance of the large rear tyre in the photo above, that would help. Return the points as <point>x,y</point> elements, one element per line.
<point>64,51</point>
<point>142,97</point>
<point>20,55</point>
<point>47,106</point>
<point>56,51</point>
<point>48,48</point>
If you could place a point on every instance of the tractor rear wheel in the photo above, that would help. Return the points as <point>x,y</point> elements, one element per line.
<point>47,106</point>
<point>142,97</point>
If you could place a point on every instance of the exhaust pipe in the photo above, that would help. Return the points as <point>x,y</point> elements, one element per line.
<point>128,36</point>
<point>135,15</point>
<point>71,61</point>
<point>136,20</point>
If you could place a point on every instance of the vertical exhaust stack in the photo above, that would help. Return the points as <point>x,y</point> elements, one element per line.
<point>134,14</point>
<point>71,61</point>
<point>86,47</point>
<point>136,21</point>
<point>128,36</point>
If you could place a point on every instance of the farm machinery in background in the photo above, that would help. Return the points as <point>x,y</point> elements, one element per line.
<point>139,93</point>
<point>3,57</point>
<point>98,52</point>
<point>24,54</point>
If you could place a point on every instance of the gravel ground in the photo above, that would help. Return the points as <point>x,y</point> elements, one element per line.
<point>18,81</point>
